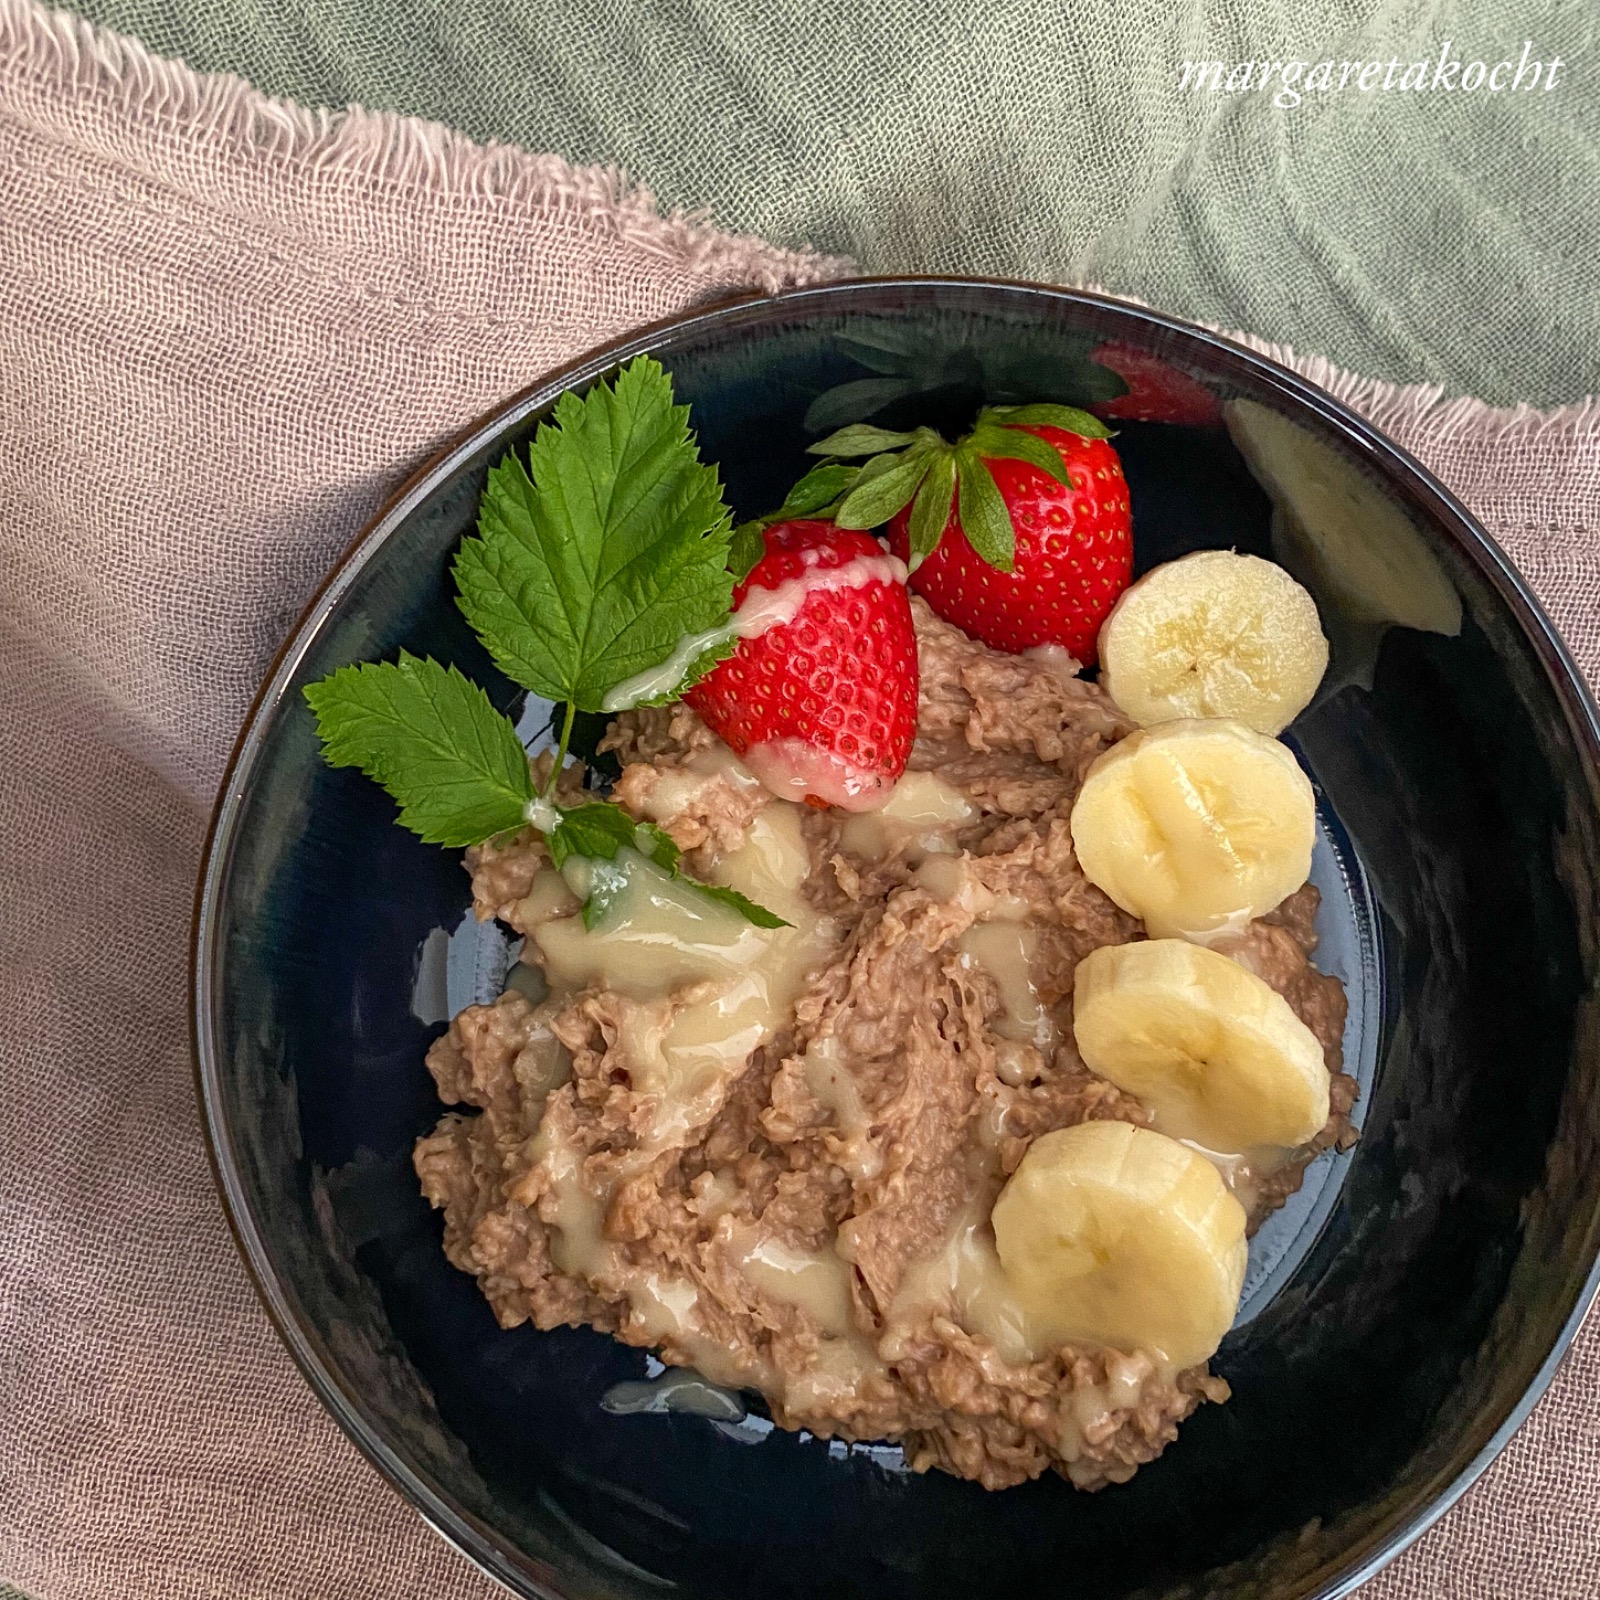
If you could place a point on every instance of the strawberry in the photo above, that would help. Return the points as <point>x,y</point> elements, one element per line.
<point>820,693</point>
<point>1019,533</point>
<point>1073,554</point>
<point>1157,392</point>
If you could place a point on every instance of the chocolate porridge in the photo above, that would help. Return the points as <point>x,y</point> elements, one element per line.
<point>771,1155</point>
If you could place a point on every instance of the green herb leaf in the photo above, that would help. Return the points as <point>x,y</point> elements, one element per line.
<point>990,441</point>
<point>606,883</point>
<point>597,831</point>
<point>600,832</point>
<point>432,739</point>
<point>984,518</point>
<point>746,546</point>
<point>877,499</point>
<point>819,488</point>
<point>859,439</point>
<point>751,912</point>
<point>1046,415</point>
<point>592,564</point>
<point>658,845</point>
<point>930,511</point>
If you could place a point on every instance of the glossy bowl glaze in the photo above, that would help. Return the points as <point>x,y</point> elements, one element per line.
<point>1400,1317</point>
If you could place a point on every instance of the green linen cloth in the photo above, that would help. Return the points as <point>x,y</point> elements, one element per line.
<point>1435,234</point>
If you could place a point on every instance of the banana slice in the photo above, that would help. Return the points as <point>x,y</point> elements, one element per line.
<point>1215,1053</point>
<point>1358,544</point>
<point>1115,1236</point>
<point>1215,634</point>
<point>1196,826</point>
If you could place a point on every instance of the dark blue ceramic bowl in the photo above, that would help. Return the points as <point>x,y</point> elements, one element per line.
<point>1400,1318</point>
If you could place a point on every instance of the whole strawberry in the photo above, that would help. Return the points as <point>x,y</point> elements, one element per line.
<point>1018,533</point>
<point>820,694</point>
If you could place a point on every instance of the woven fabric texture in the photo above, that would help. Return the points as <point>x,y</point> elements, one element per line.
<point>227,328</point>
<point>1040,140</point>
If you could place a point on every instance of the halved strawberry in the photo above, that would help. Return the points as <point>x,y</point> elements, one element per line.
<point>820,694</point>
<point>1157,391</point>
<point>1020,532</point>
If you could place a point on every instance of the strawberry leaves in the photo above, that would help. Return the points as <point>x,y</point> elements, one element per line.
<point>982,509</point>
<point>991,440</point>
<point>746,546</point>
<point>930,511</point>
<point>862,439</point>
<point>818,489</point>
<point>876,497</point>
<point>1048,416</point>
<point>817,494</point>
<point>886,483</point>
<point>924,471</point>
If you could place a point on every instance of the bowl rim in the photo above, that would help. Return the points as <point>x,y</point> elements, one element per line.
<point>486,1548</point>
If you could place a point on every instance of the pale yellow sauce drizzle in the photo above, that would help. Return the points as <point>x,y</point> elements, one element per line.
<point>1005,950</point>
<point>817,1282</point>
<point>830,1082</point>
<point>922,811</point>
<point>709,988</point>
<point>1243,1173</point>
<point>964,1278</point>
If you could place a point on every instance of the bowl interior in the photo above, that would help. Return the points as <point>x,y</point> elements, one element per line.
<point>1397,1314</point>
